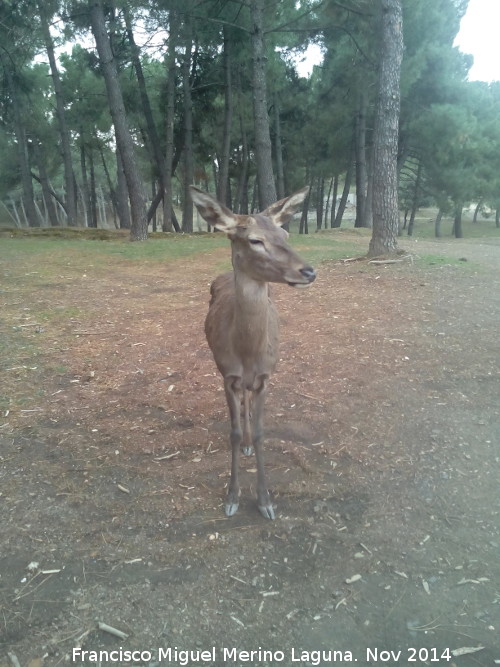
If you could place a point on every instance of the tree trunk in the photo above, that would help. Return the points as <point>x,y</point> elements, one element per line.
<point>457,223</point>
<point>122,198</point>
<point>334,200</point>
<point>242,194</point>
<point>169,219</point>
<point>22,145</point>
<point>476,211</point>
<point>187,214</point>
<point>93,194</point>
<point>319,202</point>
<point>361,169</point>
<point>416,193</point>
<point>345,194</point>
<point>278,150</point>
<point>69,177</point>
<point>263,150</point>
<point>385,141</point>
<point>304,226</point>
<point>125,144</point>
<point>223,181</point>
<point>437,224</point>
<point>44,182</point>
<point>153,138</point>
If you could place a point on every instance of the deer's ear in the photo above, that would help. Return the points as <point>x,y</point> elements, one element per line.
<point>211,210</point>
<point>282,211</point>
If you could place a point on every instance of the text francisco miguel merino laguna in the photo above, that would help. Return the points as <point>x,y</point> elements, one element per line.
<point>176,656</point>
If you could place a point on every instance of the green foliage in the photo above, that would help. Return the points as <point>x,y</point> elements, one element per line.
<point>450,125</point>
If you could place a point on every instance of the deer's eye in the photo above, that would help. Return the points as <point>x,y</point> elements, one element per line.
<point>256,242</point>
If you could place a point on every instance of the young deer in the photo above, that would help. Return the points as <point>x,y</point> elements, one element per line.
<point>242,327</point>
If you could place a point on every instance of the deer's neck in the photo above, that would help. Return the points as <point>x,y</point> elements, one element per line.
<point>251,313</point>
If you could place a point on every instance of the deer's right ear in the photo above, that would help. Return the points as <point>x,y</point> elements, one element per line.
<point>215,213</point>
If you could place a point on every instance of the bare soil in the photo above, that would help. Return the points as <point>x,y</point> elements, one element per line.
<point>382,435</point>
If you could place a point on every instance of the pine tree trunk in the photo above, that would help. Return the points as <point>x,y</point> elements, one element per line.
<point>153,138</point>
<point>242,194</point>
<point>319,202</point>
<point>187,214</point>
<point>476,211</point>
<point>223,181</point>
<point>437,224</point>
<point>125,144</point>
<point>122,198</point>
<point>333,211</point>
<point>169,219</point>
<point>44,182</point>
<point>361,169</point>
<point>385,140</point>
<point>457,223</point>
<point>69,177</point>
<point>345,194</point>
<point>22,146</point>
<point>416,192</point>
<point>263,150</point>
<point>278,149</point>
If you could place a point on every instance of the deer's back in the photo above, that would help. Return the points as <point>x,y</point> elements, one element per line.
<point>233,354</point>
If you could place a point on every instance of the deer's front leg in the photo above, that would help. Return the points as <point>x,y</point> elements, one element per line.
<point>263,498</point>
<point>232,389</point>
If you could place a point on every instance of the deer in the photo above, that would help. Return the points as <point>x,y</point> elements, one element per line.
<point>242,326</point>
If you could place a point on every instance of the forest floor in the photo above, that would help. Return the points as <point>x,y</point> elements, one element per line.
<point>382,445</point>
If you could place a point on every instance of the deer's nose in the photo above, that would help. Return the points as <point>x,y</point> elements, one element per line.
<point>309,273</point>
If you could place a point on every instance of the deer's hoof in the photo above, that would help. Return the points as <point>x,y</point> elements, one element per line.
<point>248,451</point>
<point>267,511</point>
<point>231,508</point>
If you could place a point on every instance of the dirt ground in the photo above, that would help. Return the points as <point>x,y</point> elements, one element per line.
<point>382,434</point>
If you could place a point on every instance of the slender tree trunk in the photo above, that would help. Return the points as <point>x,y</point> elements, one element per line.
<point>327,205</point>
<point>319,202</point>
<point>122,198</point>
<point>111,189</point>
<point>385,141</point>
<point>278,150</point>
<point>333,210</point>
<point>93,193</point>
<point>139,223</point>
<point>187,216</point>
<point>223,180</point>
<point>22,145</point>
<point>169,219</point>
<point>69,177</point>
<point>416,193</point>
<point>153,138</point>
<point>44,182</point>
<point>263,150</point>
<point>242,194</point>
<point>457,223</point>
<point>476,211</point>
<point>304,226</point>
<point>345,194</point>
<point>437,224</point>
<point>85,181</point>
<point>361,169</point>
<point>497,217</point>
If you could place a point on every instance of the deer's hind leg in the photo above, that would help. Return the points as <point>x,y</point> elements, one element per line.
<point>263,498</point>
<point>232,387</point>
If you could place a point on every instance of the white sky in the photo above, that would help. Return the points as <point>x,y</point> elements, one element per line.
<point>479,36</point>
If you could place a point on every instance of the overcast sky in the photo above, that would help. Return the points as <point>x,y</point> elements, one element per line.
<point>479,36</point>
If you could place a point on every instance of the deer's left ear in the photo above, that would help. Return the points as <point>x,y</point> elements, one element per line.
<point>282,211</point>
<point>215,213</point>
